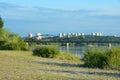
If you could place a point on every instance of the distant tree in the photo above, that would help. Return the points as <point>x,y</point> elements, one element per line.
<point>1,23</point>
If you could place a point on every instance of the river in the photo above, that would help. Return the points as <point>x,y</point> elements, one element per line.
<point>78,50</point>
<point>75,50</point>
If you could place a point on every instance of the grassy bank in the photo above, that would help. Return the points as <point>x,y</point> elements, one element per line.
<point>21,65</point>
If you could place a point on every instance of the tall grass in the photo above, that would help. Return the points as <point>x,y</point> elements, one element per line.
<point>101,58</point>
<point>113,56</point>
<point>95,58</point>
<point>68,56</point>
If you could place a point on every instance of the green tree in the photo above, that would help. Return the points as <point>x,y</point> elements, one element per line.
<point>9,40</point>
<point>1,23</point>
<point>12,41</point>
<point>4,33</point>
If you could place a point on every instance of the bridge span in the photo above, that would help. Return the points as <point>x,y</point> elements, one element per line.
<point>68,41</point>
<point>77,40</point>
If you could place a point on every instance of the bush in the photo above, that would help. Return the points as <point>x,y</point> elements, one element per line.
<point>95,58</point>
<point>10,46</point>
<point>11,41</point>
<point>14,46</point>
<point>46,52</point>
<point>114,58</point>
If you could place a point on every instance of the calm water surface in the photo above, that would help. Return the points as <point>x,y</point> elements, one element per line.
<point>76,50</point>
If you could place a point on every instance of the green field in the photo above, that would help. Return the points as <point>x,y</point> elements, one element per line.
<point>21,65</point>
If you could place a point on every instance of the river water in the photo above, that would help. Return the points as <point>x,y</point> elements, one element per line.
<point>76,50</point>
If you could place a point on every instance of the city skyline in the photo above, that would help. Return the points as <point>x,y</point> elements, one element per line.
<point>66,34</point>
<point>61,16</point>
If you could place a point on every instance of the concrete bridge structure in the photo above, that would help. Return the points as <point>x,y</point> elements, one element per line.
<point>78,41</point>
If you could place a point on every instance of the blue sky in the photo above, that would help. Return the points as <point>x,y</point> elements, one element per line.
<point>55,16</point>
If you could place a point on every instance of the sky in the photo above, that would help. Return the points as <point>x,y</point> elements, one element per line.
<point>61,16</point>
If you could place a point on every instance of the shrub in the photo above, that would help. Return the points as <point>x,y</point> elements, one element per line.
<point>11,41</point>
<point>14,46</point>
<point>46,52</point>
<point>10,46</point>
<point>114,58</point>
<point>95,58</point>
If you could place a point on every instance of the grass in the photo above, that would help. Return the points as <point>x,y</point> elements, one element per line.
<point>69,57</point>
<point>21,65</point>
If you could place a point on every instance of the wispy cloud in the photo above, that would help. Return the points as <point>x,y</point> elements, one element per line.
<point>20,12</point>
<point>56,20</point>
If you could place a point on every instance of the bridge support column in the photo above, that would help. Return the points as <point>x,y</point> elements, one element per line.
<point>109,45</point>
<point>67,44</point>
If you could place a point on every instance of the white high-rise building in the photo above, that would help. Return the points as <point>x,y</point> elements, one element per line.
<point>97,34</point>
<point>100,34</point>
<point>93,34</point>
<point>82,34</point>
<point>76,34</point>
<point>30,35</point>
<point>69,35</point>
<point>60,35</point>
<point>64,35</point>
<point>39,36</point>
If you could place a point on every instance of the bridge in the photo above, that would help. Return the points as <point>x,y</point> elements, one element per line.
<point>52,41</point>
<point>77,40</point>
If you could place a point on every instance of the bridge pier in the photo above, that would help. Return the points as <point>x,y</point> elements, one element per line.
<point>109,45</point>
<point>67,44</point>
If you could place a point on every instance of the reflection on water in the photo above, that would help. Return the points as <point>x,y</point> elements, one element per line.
<point>76,50</point>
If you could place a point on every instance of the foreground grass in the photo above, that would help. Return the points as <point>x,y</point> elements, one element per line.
<point>19,65</point>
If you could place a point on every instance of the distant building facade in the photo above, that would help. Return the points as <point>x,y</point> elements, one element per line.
<point>97,34</point>
<point>38,36</point>
<point>30,35</point>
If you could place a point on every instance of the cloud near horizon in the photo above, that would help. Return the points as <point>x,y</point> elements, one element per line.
<point>23,20</point>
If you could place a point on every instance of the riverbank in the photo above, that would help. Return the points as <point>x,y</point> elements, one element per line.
<point>21,65</point>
